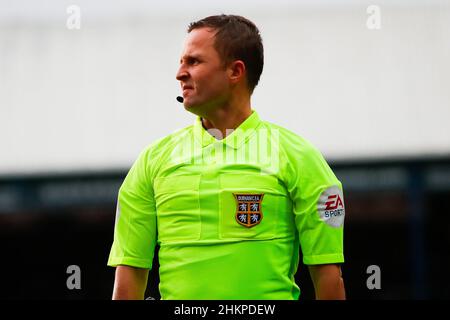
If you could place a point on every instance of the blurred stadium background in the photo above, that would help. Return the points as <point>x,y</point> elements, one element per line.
<point>78,105</point>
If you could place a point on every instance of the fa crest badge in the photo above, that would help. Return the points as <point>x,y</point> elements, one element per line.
<point>248,209</point>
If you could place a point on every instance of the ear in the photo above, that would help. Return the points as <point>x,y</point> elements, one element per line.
<point>236,71</point>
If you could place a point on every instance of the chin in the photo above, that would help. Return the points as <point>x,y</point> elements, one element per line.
<point>189,106</point>
<point>199,108</point>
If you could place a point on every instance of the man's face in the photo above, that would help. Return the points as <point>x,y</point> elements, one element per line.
<point>202,75</point>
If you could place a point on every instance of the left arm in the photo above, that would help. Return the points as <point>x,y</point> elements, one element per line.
<point>328,282</point>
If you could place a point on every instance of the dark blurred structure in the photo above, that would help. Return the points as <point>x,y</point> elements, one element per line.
<point>396,219</point>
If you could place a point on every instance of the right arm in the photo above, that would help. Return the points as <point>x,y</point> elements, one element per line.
<point>130,283</point>
<point>135,232</point>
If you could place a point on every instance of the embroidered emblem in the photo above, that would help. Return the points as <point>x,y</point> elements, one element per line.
<point>248,209</point>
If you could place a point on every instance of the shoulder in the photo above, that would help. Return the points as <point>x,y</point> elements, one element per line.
<point>160,146</point>
<point>302,162</point>
<point>155,154</point>
<point>292,143</point>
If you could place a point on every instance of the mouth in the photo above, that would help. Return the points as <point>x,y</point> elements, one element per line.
<point>186,89</point>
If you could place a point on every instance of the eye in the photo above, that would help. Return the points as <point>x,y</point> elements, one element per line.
<point>193,61</point>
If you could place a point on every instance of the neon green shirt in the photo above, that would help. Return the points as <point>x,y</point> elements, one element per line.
<point>229,214</point>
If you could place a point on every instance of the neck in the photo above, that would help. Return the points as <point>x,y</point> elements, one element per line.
<point>229,116</point>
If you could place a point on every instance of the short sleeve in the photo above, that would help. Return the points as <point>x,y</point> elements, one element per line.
<point>318,205</point>
<point>135,229</point>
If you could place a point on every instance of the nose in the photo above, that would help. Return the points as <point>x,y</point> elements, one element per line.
<point>182,73</point>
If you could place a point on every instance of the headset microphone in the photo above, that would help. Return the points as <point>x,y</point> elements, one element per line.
<point>180,99</point>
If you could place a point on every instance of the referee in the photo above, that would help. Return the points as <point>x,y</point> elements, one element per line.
<point>231,199</point>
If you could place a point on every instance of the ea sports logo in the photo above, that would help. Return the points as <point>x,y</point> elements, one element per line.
<point>330,206</point>
<point>334,202</point>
